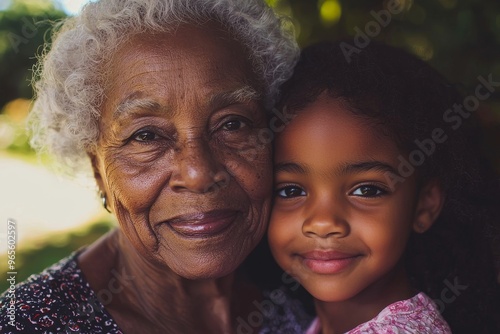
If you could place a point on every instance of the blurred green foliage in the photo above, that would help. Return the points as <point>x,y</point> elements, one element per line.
<point>39,256</point>
<point>23,30</point>
<point>459,38</point>
<point>13,135</point>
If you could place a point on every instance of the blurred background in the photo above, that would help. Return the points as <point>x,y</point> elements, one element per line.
<point>56,215</point>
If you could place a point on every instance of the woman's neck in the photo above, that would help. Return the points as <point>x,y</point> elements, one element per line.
<point>157,298</point>
<point>342,316</point>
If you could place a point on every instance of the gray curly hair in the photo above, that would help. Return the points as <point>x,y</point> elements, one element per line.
<point>65,115</point>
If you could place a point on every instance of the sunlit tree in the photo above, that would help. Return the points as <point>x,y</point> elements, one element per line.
<point>23,29</point>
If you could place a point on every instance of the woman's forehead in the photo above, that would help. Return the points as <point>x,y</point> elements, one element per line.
<point>191,63</point>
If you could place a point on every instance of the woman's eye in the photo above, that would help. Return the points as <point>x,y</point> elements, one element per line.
<point>145,136</point>
<point>368,191</point>
<point>233,125</point>
<point>290,191</point>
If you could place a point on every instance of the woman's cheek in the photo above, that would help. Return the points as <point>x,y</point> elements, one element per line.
<point>136,185</point>
<point>250,164</point>
<point>249,145</point>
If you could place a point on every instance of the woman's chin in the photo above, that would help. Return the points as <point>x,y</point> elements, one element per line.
<point>206,270</point>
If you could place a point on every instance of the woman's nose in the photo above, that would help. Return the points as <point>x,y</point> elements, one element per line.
<point>326,222</point>
<point>197,169</point>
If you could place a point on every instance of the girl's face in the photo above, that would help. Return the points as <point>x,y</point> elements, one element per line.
<point>338,224</point>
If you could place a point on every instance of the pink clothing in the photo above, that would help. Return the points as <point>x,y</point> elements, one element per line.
<point>417,315</point>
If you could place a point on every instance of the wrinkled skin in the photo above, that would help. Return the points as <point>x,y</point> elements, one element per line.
<point>177,155</point>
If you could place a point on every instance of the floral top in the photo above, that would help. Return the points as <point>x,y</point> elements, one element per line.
<point>60,300</point>
<point>417,315</point>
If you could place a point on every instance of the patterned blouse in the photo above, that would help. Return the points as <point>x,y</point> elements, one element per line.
<point>417,315</point>
<point>60,300</point>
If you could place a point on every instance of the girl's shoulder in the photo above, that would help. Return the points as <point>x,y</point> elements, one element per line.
<point>418,314</point>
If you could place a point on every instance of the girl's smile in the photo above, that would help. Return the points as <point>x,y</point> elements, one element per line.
<point>328,261</point>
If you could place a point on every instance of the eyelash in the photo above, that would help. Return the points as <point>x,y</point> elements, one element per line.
<point>144,131</point>
<point>281,189</point>
<point>133,138</point>
<point>244,122</point>
<point>380,191</point>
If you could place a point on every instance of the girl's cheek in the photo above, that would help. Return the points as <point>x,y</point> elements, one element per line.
<point>281,228</point>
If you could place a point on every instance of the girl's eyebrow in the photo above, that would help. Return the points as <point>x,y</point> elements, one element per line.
<point>365,166</point>
<point>290,167</point>
<point>346,168</point>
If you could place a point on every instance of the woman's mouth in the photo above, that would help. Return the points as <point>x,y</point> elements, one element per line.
<point>328,262</point>
<point>203,224</point>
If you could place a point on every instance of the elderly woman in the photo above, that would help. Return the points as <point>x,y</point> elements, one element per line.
<point>164,101</point>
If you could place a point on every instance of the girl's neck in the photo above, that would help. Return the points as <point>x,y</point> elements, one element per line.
<point>158,299</point>
<point>342,316</point>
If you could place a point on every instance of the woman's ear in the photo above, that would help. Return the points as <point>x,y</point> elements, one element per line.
<point>103,192</point>
<point>95,169</point>
<point>430,202</point>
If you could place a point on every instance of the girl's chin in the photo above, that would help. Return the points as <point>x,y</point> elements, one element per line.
<point>328,293</point>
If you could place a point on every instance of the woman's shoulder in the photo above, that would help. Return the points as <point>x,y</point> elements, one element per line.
<point>59,299</point>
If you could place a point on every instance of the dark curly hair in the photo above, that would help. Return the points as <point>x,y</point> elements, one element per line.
<point>453,262</point>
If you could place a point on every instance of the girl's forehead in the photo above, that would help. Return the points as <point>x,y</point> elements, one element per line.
<point>328,133</point>
<point>328,117</point>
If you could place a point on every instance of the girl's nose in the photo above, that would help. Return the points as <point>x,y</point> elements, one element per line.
<point>326,222</point>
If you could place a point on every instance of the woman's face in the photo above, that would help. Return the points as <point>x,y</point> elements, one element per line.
<point>178,154</point>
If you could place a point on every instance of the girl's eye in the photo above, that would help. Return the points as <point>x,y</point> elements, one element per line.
<point>233,125</point>
<point>290,192</point>
<point>368,191</point>
<point>145,136</point>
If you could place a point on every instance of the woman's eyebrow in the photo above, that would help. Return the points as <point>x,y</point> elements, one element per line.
<point>239,95</point>
<point>131,103</point>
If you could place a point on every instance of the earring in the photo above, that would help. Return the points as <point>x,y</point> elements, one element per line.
<point>420,227</point>
<point>104,201</point>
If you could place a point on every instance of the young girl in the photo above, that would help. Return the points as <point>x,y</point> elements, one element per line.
<point>383,210</point>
